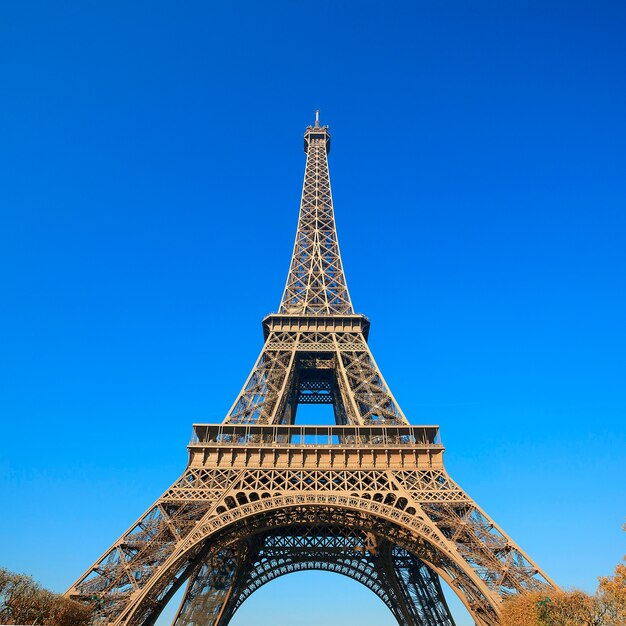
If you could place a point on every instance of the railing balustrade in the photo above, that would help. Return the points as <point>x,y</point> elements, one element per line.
<point>319,436</point>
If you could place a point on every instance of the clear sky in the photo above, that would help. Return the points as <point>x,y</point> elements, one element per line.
<point>150,172</point>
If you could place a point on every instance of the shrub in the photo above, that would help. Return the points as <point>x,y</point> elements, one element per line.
<point>24,601</point>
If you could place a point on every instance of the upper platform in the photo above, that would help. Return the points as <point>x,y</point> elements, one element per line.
<point>316,132</point>
<point>354,323</point>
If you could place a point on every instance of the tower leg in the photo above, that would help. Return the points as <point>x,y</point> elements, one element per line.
<point>409,588</point>
<point>423,602</point>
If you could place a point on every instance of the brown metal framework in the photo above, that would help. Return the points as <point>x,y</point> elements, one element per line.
<point>261,497</point>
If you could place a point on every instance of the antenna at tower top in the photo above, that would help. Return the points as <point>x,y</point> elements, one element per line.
<point>317,118</point>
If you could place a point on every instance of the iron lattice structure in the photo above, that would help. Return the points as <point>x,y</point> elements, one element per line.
<point>261,497</point>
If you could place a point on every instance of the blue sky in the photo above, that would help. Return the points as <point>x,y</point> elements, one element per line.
<point>151,167</point>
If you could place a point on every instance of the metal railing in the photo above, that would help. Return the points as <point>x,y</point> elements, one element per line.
<point>319,436</point>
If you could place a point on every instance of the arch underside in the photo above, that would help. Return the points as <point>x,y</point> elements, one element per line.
<point>407,586</point>
<point>164,578</point>
<point>196,523</point>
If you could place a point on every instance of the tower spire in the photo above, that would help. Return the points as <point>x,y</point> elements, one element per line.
<point>316,283</point>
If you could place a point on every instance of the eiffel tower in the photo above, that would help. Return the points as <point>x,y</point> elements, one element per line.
<point>262,496</point>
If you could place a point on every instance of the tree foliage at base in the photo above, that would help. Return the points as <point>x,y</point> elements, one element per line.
<point>571,608</point>
<point>23,601</point>
<point>560,608</point>
<point>613,591</point>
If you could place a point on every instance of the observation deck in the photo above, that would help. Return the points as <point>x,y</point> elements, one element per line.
<point>325,447</point>
<point>286,322</point>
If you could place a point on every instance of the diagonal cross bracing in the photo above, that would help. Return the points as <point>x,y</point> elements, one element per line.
<point>316,283</point>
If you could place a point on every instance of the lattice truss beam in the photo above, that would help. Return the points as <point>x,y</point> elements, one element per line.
<point>409,588</point>
<point>290,361</point>
<point>209,511</point>
<point>316,283</point>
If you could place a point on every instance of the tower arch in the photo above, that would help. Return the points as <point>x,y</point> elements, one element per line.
<point>214,535</point>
